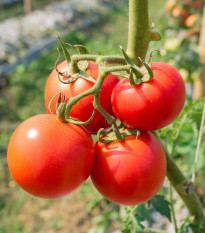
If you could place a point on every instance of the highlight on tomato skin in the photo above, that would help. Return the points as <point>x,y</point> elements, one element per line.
<point>130,172</point>
<point>151,105</point>
<point>83,109</point>
<point>49,158</point>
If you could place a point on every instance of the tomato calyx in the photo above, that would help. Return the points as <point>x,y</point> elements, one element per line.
<point>82,65</point>
<point>75,70</point>
<point>137,75</point>
<point>109,135</point>
<point>61,111</point>
<point>60,107</point>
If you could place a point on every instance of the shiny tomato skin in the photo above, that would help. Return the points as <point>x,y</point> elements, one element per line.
<point>84,108</point>
<point>129,172</point>
<point>151,105</point>
<point>49,158</point>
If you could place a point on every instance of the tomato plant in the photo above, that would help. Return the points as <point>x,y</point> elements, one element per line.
<point>153,104</point>
<point>129,172</point>
<point>49,158</point>
<point>83,109</point>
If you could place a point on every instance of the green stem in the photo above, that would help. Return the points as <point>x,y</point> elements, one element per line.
<point>172,208</point>
<point>118,68</point>
<point>119,136</point>
<point>181,185</point>
<point>75,99</point>
<point>109,118</point>
<point>111,59</point>
<point>139,31</point>
<point>152,230</point>
<point>95,90</point>
<point>81,57</point>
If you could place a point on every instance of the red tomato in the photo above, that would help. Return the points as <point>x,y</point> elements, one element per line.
<point>84,108</point>
<point>151,105</point>
<point>129,172</point>
<point>49,158</point>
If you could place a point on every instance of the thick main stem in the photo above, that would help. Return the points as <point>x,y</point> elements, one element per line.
<point>181,185</point>
<point>139,31</point>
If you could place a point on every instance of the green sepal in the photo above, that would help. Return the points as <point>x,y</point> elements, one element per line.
<point>136,70</point>
<point>82,74</point>
<point>59,101</point>
<point>50,102</point>
<point>148,69</point>
<point>82,65</point>
<point>81,49</point>
<point>60,107</point>
<point>107,136</point>
<point>127,58</point>
<point>136,75</point>
<point>60,110</point>
<point>65,51</point>
<point>131,78</point>
<point>121,74</point>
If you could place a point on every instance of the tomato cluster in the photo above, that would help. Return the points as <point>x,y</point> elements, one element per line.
<point>50,158</point>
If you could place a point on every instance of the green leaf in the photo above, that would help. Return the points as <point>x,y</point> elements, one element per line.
<point>126,230</point>
<point>86,76</point>
<point>136,223</point>
<point>81,49</point>
<point>142,213</point>
<point>65,51</point>
<point>82,65</point>
<point>161,205</point>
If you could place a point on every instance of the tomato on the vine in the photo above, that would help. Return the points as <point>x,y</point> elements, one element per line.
<point>150,105</point>
<point>83,109</point>
<point>49,158</point>
<point>129,172</point>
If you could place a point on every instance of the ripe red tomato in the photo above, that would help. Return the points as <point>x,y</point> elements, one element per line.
<point>84,108</point>
<point>151,105</point>
<point>49,158</point>
<point>129,172</point>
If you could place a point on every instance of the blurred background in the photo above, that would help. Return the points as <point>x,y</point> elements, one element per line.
<point>28,50</point>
